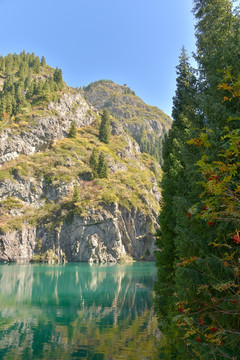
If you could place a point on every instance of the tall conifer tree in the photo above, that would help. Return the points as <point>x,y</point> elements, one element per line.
<point>174,184</point>
<point>102,167</point>
<point>186,261</point>
<point>104,131</point>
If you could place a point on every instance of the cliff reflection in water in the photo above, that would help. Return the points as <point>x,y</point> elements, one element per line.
<point>77,312</point>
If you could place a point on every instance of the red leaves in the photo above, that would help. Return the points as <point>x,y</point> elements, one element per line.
<point>211,223</point>
<point>198,339</point>
<point>233,301</point>
<point>181,310</point>
<point>213,329</point>
<point>201,321</point>
<point>197,141</point>
<point>211,177</point>
<point>204,208</point>
<point>236,239</point>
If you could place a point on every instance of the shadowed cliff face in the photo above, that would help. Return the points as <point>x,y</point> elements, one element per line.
<point>72,311</point>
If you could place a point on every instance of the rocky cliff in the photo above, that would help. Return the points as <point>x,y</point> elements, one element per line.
<point>111,219</point>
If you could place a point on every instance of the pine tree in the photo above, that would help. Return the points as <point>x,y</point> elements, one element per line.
<point>9,102</point>
<point>57,77</point>
<point>217,35</point>
<point>76,195</point>
<point>73,130</point>
<point>43,61</point>
<point>2,107</point>
<point>175,184</point>
<point>104,131</point>
<point>102,167</point>
<point>186,261</point>
<point>36,65</point>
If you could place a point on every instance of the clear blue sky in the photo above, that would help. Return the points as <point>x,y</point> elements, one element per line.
<point>136,42</point>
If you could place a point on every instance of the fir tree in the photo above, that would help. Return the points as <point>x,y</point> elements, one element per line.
<point>43,61</point>
<point>102,167</point>
<point>73,130</point>
<point>57,76</point>
<point>36,65</point>
<point>217,34</point>
<point>76,195</point>
<point>104,131</point>
<point>175,184</point>
<point>186,261</point>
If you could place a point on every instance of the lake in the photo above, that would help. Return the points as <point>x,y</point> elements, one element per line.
<point>77,311</point>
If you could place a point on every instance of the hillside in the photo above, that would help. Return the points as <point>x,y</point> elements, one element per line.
<point>52,208</point>
<point>146,124</point>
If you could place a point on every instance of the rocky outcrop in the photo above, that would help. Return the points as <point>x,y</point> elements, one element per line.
<point>40,209</point>
<point>123,104</point>
<point>111,234</point>
<point>47,129</point>
<point>18,246</point>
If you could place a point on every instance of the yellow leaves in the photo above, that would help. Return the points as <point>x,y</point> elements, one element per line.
<point>202,288</point>
<point>224,86</point>
<point>224,286</point>
<point>188,261</point>
<point>226,99</point>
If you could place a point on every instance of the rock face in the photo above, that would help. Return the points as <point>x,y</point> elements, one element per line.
<point>108,235</point>
<point>122,103</point>
<point>71,107</point>
<point>108,231</point>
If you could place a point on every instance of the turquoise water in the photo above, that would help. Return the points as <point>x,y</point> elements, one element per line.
<point>77,311</point>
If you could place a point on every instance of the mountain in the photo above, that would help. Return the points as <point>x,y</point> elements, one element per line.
<point>53,206</point>
<point>145,123</point>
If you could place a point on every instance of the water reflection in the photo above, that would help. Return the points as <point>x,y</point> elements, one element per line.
<point>77,312</point>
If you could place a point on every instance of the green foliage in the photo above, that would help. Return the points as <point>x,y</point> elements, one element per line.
<point>135,116</point>
<point>73,130</point>
<point>102,170</point>
<point>76,195</point>
<point>150,144</point>
<point>197,291</point>
<point>57,76</point>
<point>43,61</point>
<point>213,316</point>
<point>25,86</point>
<point>104,131</point>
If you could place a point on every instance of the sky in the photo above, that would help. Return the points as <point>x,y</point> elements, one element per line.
<point>133,42</point>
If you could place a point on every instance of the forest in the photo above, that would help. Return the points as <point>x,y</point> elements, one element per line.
<point>198,290</point>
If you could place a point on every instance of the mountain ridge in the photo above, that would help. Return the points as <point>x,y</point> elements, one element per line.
<point>41,219</point>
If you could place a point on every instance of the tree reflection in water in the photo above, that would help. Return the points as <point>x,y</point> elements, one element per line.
<point>77,312</point>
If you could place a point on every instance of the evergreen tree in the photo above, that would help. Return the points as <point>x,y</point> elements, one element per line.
<point>104,131</point>
<point>76,195</point>
<point>102,167</point>
<point>36,65</point>
<point>186,261</point>
<point>9,107</point>
<point>57,76</point>
<point>23,69</point>
<point>2,107</point>
<point>175,184</point>
<point>73,130</point>
<point>43,61</point>
<point>217,35</point>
